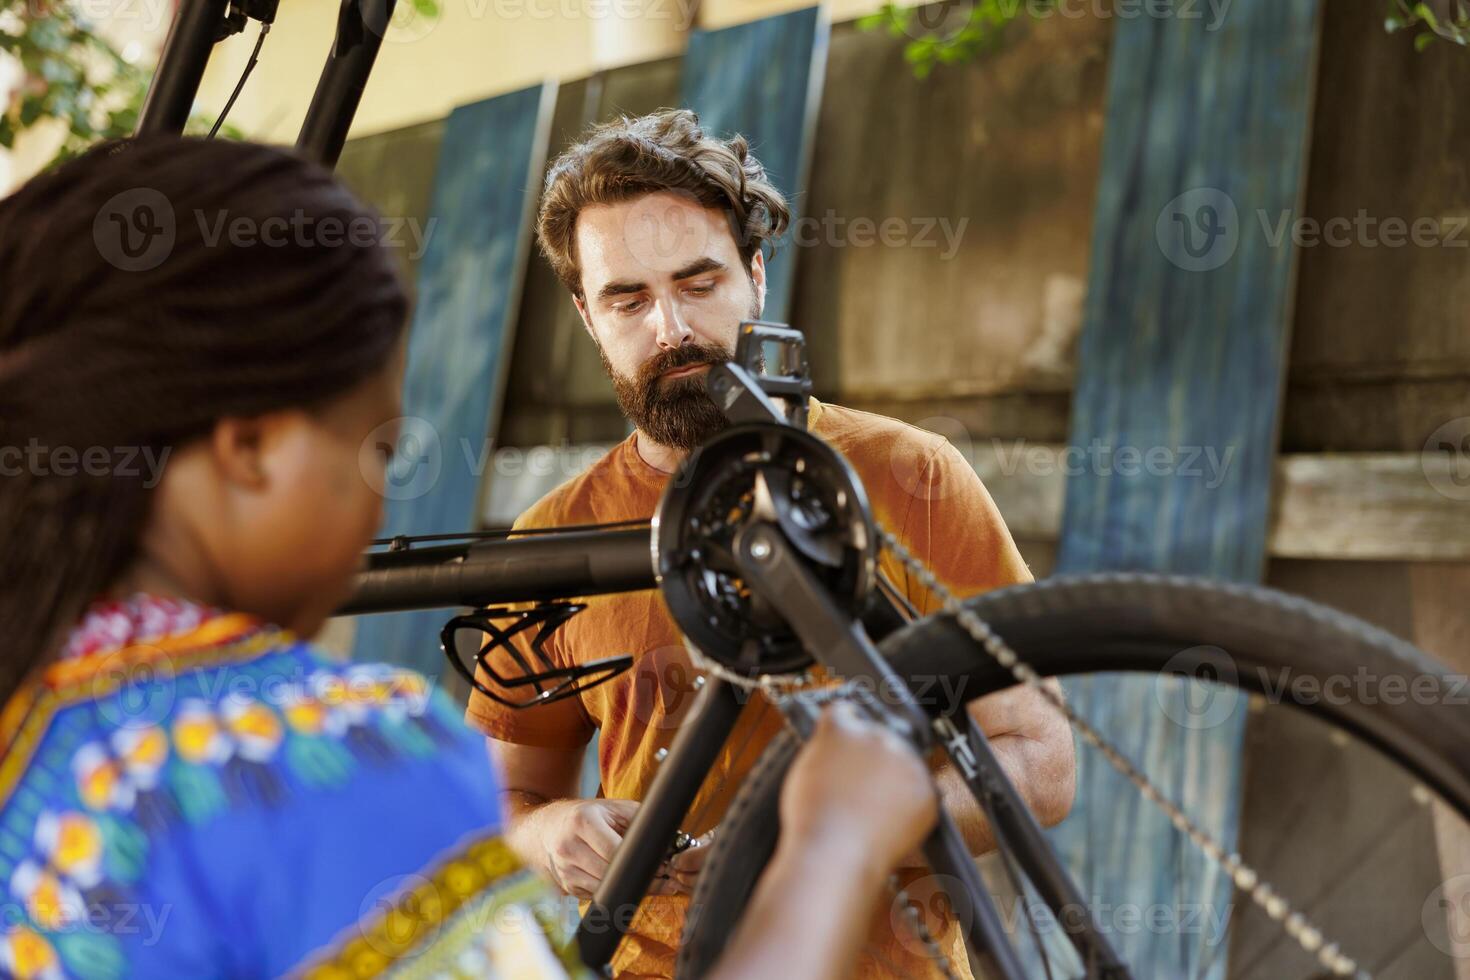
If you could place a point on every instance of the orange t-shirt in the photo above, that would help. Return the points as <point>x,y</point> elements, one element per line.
<point>919,487</point>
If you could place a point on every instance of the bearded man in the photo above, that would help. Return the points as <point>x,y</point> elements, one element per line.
<point>658,230</point>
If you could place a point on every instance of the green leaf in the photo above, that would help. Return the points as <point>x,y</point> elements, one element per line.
<point>1424,40</point>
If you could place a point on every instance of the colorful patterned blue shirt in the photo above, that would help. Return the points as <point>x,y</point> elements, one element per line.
<point>192,793</point>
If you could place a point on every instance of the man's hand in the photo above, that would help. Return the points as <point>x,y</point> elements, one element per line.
<point>679,875</point>
<point>572,842</point>
<point>859,786</point>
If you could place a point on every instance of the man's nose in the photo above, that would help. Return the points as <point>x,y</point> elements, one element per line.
<point>672,331</point>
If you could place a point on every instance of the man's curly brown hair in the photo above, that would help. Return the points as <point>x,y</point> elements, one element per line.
<point>663,151</point>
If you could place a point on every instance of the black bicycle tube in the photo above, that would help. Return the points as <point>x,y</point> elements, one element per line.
<point>186,51</point>
<point>1018,834</point>
<point>536,567</point>
<point>991,954</point>
<point>695,748</point>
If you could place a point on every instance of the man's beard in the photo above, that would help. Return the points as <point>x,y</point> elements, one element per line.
<point>677,413</point>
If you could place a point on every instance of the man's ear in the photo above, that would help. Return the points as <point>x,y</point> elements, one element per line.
<point>758,277</point>
<point>581,305</point>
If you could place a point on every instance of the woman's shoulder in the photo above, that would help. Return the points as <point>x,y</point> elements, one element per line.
<point>127,766</point>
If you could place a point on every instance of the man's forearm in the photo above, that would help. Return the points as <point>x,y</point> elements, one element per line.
<point>524,812</point>
<point>1033,767</point>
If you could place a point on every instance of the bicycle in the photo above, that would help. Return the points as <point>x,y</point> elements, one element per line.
<point>804,560</point>
<point>765,552</point>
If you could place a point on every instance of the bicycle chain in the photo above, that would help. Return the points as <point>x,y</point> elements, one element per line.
<point>916,923</point>
<point>1246,878</point>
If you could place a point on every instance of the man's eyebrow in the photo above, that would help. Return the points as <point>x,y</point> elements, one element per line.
<point>620,289</point>
<point>698,267</point>
<point>625,286</point>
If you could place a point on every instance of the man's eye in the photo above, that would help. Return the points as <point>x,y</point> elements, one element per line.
<point>703,289</point>
<point>630,307</point>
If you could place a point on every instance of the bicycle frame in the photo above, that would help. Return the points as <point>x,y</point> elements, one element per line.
<point>577,563</point>
<point>200,24</point>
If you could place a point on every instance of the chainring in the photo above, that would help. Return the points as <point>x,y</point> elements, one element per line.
<point>750,472</point>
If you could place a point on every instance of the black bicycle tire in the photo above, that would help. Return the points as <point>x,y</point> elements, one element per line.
<point>1137,623</point>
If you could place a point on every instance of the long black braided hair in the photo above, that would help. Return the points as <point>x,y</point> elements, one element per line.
<point>147,289</point>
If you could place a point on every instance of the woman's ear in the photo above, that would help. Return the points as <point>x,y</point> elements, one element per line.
<point>238,447</point>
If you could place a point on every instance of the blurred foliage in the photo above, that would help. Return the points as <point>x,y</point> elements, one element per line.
<point>72,74</point>
<point>947,45</point>
<point>933,39</point>
<point>1452,23</point>
<point>69,73</point>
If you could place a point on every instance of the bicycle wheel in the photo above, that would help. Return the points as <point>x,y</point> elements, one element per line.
<point>1131,623</point>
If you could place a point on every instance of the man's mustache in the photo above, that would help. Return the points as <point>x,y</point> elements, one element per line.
<point>680,357</point>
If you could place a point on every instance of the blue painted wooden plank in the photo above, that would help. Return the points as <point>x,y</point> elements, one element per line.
<point>469,280</point>
<point>763,80</point>
<point>1182,352</point>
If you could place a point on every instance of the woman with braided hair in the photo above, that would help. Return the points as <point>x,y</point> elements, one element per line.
<point>196,341</point>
